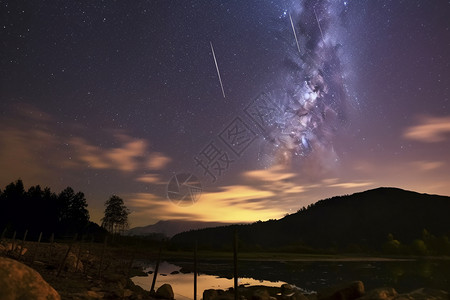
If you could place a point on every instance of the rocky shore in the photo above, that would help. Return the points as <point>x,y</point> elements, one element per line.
<point>85,276</point>
<point>348,291</point>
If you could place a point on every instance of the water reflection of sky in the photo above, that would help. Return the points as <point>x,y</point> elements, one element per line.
<point>183,284</point>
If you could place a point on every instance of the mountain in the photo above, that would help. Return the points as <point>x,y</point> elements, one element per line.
<point>171,227</point>
<point>361,221</point>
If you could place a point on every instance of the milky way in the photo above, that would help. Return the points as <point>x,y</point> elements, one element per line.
<point>311,96</point>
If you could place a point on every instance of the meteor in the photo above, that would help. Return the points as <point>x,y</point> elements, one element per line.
<point>295,34</point>
<point>217,68</point>
<point>320,28</point>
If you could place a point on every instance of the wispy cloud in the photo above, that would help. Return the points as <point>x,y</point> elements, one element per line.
<point>427,165</point>
<point>429,130</point>
<point>36,150</point>
<point>228,204</point>
<point>158,161</point>
<point>351,185</point>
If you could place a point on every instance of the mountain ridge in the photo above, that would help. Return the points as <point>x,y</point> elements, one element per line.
<point>362,220</point>
<point>169,228</point>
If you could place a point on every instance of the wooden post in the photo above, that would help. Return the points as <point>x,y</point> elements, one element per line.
<point>37,248</point>
<point>13,241</point>
<point>3,234</point>
<point>52,239</point>
<point>235,263</point>
<point>102,256</point>
<point>63,262</point>
<point>23,243</point>
<point>79,255</point>
<point>155,274</point>
<point>195,271</point>
<point>88,252</point>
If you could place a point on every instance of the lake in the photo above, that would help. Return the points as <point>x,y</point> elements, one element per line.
<point>310,276</point>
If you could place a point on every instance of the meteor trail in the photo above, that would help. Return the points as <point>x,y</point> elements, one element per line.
<point>320,28</point>
<point>295,35</point>
<point>217,68</point>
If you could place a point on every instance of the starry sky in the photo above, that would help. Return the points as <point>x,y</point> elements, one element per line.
<point>268,106</point>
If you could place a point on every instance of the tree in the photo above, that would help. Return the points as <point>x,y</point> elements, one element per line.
<point>72,210</point>
<point>116,215</point>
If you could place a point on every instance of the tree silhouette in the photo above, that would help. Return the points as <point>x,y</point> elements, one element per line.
<point>72,210</point>
<point>116,215</point>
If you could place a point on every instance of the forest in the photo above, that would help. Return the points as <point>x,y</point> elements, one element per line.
<point>39,209</point>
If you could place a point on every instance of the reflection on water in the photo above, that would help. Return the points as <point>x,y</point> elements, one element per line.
<point>183,284</point>
<point>404,276</point>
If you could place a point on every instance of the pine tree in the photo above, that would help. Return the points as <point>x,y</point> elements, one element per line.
<point>116,215</point>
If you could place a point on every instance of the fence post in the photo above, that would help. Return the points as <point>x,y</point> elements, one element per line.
<point>52,240</point>
<point>195,271</point>
<point>61,266</point>
<point>235,263</point>
<point>79,254</point>
<point>13,241</point>
<point>23,243</point>
<point>37,248</point>
<point>3,234</point>
<point>152,289</point>
<point>101,256</point>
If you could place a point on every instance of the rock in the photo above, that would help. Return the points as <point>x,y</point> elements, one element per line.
<point>425,294</point>
<point>184,270</point>
<point>210,294</point>
<point>260,294</point>
<point>174,272</point>
<point>116,279</point>
<point>73,263</point>
<point>287,289</point>
<point>18,281</point>
<point>165,292</point>
<point>348,291</point>
<point>94,295</point>
<point>127,293</point>
<point>380,294</point>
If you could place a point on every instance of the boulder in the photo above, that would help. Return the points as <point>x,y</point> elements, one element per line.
<point>347,291</point>
<point>380,294</point>
<point>165,292</point>
<point>425,294</point>
<point>18,281</point>
<point>260,294</point>
<point>210,294</point>
<point>287,289</point>
<point>72,263</point>
<point>288,292</point>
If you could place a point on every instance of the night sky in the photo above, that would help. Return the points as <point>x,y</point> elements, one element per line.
<point>320,98</point>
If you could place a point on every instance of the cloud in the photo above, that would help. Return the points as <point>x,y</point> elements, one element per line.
<point>125,158</point>
<point>427,165</point>
<point>351,185</point>
<point>158,161</point>
<point>33,148</point>
<point>235,203</point>
<point>430,130</point>
<point>277,179</point>
<point>131,155</point>
<point>261,195</point>
<point>150,178</point>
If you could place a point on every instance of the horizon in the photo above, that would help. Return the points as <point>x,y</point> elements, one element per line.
<point>230,112</point>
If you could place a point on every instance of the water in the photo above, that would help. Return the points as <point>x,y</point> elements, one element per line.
<point>182,284</point>
<point>404,276</point>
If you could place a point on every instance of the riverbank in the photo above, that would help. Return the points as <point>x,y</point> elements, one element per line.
<point>93,271</point>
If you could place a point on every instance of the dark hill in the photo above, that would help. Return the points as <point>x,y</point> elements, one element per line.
<point>171,227</point>
<point>358,221</point>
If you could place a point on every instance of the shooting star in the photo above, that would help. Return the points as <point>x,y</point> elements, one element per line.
<point>217,68</point>
<point>295,34</point>
<point>320,28</point>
